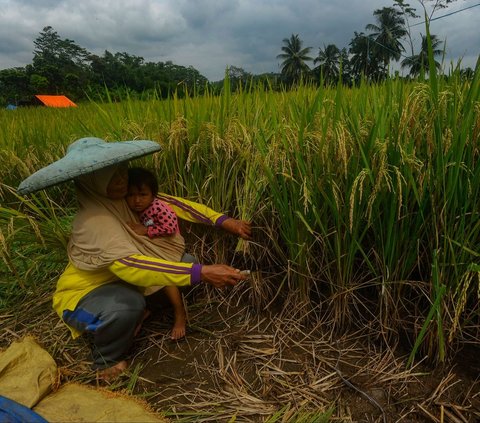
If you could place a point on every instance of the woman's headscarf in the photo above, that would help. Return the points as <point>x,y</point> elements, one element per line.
<point>100,234</point>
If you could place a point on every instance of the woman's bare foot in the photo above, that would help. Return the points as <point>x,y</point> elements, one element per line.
<point>113,372</point>
<point>178,329</point>
<point>145,316</point>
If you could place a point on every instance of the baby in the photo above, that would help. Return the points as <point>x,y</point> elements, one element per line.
<point>158,219</point>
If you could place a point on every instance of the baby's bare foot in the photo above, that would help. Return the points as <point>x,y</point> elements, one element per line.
<point>179,327</point>
<point>113,372</point>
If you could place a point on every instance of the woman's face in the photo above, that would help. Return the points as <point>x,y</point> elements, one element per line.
<point>117,188</point>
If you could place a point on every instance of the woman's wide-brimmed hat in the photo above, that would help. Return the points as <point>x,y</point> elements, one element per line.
<point>84,156</point>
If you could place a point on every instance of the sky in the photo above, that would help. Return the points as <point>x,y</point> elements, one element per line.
<point>213,34</point>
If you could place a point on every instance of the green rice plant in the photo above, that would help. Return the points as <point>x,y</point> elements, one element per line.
<point>33,242</point>
<point>467,290</point>
<point>389,188</point>
<point>449,201</point>
<point>434,316</point>
<point>283,151</point>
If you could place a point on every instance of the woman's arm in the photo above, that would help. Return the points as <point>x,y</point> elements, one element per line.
<point>198,213</point>
<point>193,212</point>
<point>146,271</point>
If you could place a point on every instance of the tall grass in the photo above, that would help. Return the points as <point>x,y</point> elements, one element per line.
<point>369,195</point>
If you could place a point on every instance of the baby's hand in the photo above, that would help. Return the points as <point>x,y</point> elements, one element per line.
<point>138,228</point>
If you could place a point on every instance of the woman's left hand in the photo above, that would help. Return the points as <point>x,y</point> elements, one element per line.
<point>241,228</point>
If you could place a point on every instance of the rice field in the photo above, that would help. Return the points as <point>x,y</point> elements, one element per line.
<point>365,201</point>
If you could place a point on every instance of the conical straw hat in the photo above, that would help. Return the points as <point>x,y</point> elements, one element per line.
<point>84,156</point>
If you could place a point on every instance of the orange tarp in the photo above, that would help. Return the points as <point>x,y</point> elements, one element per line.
<point>56,101</point>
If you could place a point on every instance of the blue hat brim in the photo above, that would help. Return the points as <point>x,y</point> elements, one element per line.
<point>84,156</point>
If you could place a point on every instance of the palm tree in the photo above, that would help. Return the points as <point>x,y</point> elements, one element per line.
<point>329,62</point>
<point>345,66</point>
<point>294,57</point>
<point>388,32</point>
<point>419,61</point>
<point>467,73</point>
<point>365,60</point>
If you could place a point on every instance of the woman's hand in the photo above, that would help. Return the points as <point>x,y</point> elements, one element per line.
<point>241,228</point>
<point>221,275</point>
<point>138,228</point>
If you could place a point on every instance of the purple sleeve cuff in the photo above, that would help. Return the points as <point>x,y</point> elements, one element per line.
<point>196,274</point>
<point>221,219</point>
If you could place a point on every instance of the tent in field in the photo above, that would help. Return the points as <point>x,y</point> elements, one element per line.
<point>56,101</point>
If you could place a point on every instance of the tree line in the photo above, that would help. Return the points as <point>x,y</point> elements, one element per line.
<point>60,66</point>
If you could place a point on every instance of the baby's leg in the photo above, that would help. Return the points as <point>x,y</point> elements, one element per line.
<point>180,319</point>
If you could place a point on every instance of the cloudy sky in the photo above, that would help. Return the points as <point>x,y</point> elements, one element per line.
<point>212,34</point>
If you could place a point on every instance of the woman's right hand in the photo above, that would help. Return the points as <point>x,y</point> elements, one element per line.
<point>221,275</point>
<point>241,228</point>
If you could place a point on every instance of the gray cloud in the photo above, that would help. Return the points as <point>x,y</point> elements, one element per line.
<point>211,34</point>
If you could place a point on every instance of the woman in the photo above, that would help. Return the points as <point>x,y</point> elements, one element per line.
<point>101,290</point>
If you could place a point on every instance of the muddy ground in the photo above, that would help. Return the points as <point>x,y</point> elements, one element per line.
<point>246,361</point>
